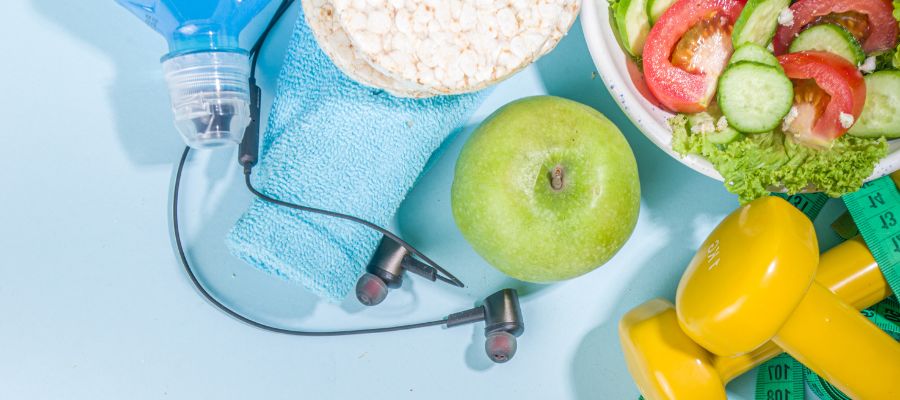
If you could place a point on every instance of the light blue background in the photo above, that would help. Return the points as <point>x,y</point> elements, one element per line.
<point>94,305</point>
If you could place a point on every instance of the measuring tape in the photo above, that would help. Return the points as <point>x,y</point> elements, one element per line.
<point>875,211</point>
<point>845,227</point>
<point>809,204</point>
<point>781,378</point>
<point>885,315</point>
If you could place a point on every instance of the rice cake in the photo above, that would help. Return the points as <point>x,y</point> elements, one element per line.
<point>570,13</point>
<point>334,42</point>
<point>452,46</point>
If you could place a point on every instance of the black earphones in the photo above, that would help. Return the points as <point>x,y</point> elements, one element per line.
<point>385,271</point>
<point>500,311</point>
<point>503,323</point>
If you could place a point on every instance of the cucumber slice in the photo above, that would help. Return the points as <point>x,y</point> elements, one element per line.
<point>757,22</point>
<point>881,114</point>
<point>754,97</point>
<point>754,52</point>
<point>831,38</point>
<point>656,8</point>
<point>633,25</point>
<point>724,136</point>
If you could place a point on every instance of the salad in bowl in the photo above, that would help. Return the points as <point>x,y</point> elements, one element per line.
<point>764,94</point>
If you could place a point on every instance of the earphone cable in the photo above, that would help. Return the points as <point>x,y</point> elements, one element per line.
<point>206,294</point>
<point>257,46</point>
<point>443,275</point>
<point>449,278</point>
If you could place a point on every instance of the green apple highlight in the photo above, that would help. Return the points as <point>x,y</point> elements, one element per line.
<point>546,189</point>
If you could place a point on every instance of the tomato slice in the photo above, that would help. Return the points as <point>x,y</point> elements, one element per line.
<point>844,93</point>
<point>882,27</point>
<point>855,23</point>
<point>810,102</point>
<point>689,83</point>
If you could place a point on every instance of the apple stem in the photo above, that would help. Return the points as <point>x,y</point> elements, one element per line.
<point>557,178</point>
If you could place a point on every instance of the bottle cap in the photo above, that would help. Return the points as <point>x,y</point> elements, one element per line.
<point>210,96</point>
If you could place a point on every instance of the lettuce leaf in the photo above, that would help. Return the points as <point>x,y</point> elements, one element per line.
<point>896,59</point>
<point>887,60</point>
<point>755,164</point>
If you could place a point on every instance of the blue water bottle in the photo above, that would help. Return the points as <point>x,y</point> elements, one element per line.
<point>205,69</point>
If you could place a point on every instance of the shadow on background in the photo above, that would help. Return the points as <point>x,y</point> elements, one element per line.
<point>676,205</point>
<point>686,205</point>
<point>146,133</point>
<point>207,215</point>
<point>148,136</point>
<point>145,128</point>
<point>425,214</point>
<point>423,219</point>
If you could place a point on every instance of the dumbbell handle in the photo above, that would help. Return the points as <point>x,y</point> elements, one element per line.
<point>848,270</point>
<point>838,343</point>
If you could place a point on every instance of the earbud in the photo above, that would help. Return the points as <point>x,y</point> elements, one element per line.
<point>500,346</point>
<point>371,290</point>
<point>385,272</point>
<point>503,322</point>
<point>500,311</point>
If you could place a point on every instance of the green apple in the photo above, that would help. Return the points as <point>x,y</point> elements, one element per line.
<point>546,189</point>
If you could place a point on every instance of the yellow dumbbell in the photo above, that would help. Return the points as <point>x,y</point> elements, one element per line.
<point>667,365</point>
<point>752,281</point>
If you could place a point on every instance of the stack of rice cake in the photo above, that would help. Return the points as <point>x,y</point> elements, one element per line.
<point>423,48</point>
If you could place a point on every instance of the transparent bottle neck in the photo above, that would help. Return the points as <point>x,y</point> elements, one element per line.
<point>190,38</point>
<point>210,96</point>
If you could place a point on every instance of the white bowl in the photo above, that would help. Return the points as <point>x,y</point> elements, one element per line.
<point>613,66</point>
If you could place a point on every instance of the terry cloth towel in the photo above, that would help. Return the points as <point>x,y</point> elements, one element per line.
<point>334,144</point>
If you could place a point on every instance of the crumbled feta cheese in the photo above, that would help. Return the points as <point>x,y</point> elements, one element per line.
<point>846,120</point>
<point>705,127</point>
<point>770,47</point>
<point>868,65</point>
<point>789,118</point>
<point>722,123</point>
<point>786,17</point>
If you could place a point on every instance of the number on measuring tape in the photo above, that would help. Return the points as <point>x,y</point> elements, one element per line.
<point>876,200</point>
<point>808,203</point>
<point>778,394</point>
<point>778,372</point>
<point>780,378</point>
<point>875,209</point>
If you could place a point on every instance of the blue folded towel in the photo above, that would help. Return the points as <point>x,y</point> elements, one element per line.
<point>335,144</point>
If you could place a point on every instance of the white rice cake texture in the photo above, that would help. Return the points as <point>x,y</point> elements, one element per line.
<point>321,18</point>
<point>451,46</point>
<point>566,19</point>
